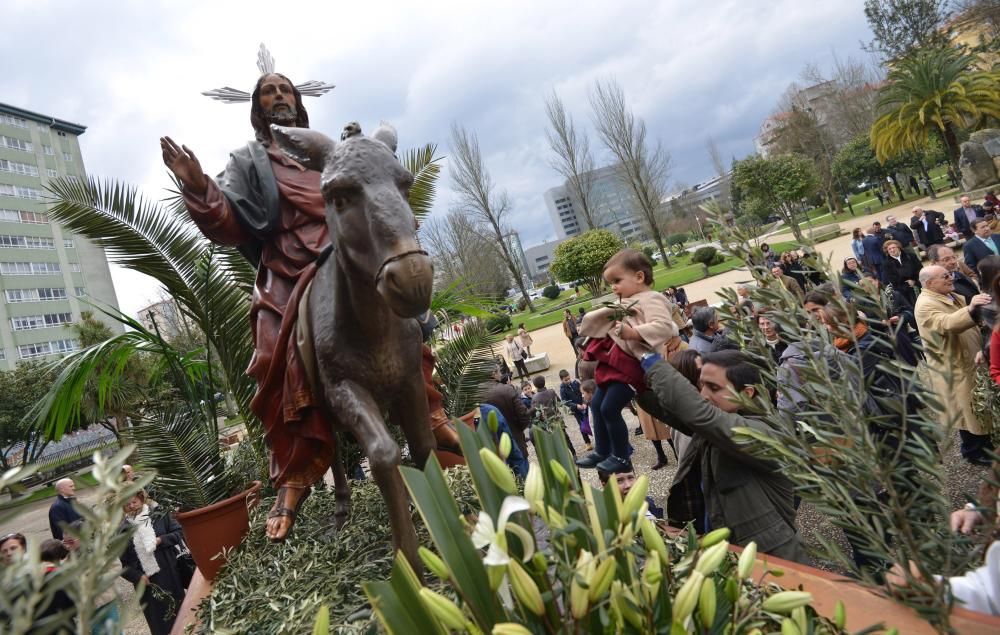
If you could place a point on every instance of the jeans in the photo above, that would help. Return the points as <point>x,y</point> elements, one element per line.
<point>607,423</point>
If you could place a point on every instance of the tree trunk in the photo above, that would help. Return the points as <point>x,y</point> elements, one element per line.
<point>899,190</point>
<point>663,252</point>
<point>951,145</point>
<point>789,215</point>
<point>927,176</point>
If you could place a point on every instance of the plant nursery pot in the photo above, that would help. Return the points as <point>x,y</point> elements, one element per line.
<point>211,530</point>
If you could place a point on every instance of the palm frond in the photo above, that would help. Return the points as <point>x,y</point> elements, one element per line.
<point>426,168</point>
<point>190,471</point>
<point>459,298</point>
<point>464,365</point>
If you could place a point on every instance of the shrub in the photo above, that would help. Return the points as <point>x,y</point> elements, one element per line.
<point>522,304</point>
<point>649,251</point>
<point>678,239</point>
<point>498,322</point>
<point>551,292</point>
<point>705,255</point>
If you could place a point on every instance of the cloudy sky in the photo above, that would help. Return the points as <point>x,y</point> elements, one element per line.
<point>133,71</point>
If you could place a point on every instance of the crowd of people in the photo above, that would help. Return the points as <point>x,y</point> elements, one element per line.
<point>156,559</point>
<point>906,297</point>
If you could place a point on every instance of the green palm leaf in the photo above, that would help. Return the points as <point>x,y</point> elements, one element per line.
<point>426,169</point>
<point>464,365</point>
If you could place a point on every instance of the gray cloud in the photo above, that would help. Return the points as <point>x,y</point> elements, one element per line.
<point>133,71</point>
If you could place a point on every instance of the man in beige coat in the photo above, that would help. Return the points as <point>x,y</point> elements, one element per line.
<point>952,342</point>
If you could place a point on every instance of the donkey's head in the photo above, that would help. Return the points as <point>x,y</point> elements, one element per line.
<point>371,224</point>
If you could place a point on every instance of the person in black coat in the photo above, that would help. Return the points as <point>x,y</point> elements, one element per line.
<point>61,513</point>
<point>927,226</point>
<point>151,557</point>
<point>983,244</point>
<point>964,216</point>
<point>900,232</point>
<point>901,269</point>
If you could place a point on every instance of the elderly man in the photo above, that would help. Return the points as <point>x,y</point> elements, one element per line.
<point>945,257</point>
<point>964,216</point>
<point>900,232</point>
<point>61,513</point>
<point>928,229</point>
<point>872,242</point>
<point>787,282</point>
<point>952,342</point>
<point>705,322</point>
<point>983,244</point>
<point>746,304</point>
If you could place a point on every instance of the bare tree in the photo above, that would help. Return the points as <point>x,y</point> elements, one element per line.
<point>644,170</point>
<point>479,198</point>
<point>851,100</point>
<point>715,155</point>
<point>463,256</point>
<point>572,158</point>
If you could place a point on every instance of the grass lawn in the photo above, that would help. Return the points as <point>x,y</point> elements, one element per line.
<point>81,480</point>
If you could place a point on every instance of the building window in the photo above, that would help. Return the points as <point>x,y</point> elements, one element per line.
<point>26,242</point>
<point>21,216</point>
<point>29,351</point>
<point>48,151</point>
<point>44,294</point>
<point>20,191</point>
<point>67,157</point>
<point>15,144</point>
<point>32,322</point>
<point>80,291</point>
<point>29,268</point>
<point>18,168</point>
<point>3,354</point>
<point>68,243</point>
<point>52,173</point>
<point>11,120</point>
<point>75,267</point>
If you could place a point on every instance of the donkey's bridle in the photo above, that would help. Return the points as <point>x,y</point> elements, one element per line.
<point>392,259</point>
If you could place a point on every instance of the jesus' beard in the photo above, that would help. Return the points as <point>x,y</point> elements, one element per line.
<point>282,116</point>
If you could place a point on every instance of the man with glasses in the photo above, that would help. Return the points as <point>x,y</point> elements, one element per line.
<point>945,257</point>
<point>953,344</point>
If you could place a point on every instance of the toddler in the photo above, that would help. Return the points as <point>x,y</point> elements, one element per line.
<point>617,346</point>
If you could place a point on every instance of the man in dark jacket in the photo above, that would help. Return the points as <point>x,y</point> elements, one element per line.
<point>964,216</point>
<point>900,232</point>
<point>742,492</point>
<point>927,226</point>
<point>983,244</point>
<point>61,513</point>
<point>872,242</point>
<point>507,399</point>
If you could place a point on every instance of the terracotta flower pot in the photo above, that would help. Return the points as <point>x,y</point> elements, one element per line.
<point>218,527</point>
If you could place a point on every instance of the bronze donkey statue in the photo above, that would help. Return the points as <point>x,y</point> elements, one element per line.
<point>362,306</point>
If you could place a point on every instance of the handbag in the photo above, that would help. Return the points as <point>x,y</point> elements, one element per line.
<point>185,564</point>
<point>524,354</point>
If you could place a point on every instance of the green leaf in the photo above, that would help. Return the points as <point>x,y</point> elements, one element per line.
<point>397,604</point>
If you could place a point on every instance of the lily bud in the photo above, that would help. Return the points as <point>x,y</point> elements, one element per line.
<point>706,603</point>
<point>788,627</point>
<point>434,563</point>
<point>505,446</point>
<point>840,615</point>
<point>534,486</point>
<point>712,557</point>
<point>714,536</point>
<point>652,573</point>
<point>497,470</point>
<point>747,558</point>
<point>578,595</point>
<point>509,628</point>
<point>635,497</point>
<point>525,588</point>
<point>732,590</point>
<point>653,540</point>
<point>786,601</point>
<point>559,472</point>
<point>687,597</point>
<point>443,609</point>
<point>601,580</point>
<point>492,421</point>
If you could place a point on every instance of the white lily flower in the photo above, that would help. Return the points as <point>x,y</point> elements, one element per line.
<point>486,533</point>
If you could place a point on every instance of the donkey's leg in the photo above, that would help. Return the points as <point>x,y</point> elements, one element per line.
<point>341,489</point>
<point>409,411</point>
<point>356,410</point>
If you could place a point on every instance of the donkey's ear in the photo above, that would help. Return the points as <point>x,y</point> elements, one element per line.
<point>308,147</point>
<point>387,135</point>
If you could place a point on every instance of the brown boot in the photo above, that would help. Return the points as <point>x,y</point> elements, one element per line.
<point>444,432</point>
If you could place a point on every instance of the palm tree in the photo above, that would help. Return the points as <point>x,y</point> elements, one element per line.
<point>938,89</point>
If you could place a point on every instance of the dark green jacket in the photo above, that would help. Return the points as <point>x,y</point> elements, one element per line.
<point>248,183</point>
<point>742,492</point>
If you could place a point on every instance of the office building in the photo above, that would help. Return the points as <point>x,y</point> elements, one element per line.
<point>539,258</point>
<point>613,208</point>
<point>48,275</point>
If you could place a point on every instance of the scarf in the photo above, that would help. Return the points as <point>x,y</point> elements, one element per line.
<point>845,343</point>
<point>144,541</point>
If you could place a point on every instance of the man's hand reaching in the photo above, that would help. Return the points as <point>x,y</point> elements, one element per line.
<point>184,165</point>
